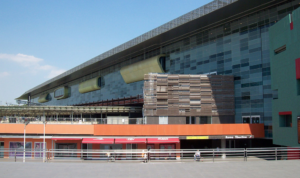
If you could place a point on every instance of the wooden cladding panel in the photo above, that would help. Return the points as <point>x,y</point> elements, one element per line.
<point>189,95</point>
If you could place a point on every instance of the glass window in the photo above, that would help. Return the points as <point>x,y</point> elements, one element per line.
<point>190,120</point>
<point>59,92</point>
<point>38,148</point>
<point>285,121</point>
<point>162,61</point>
<point>205,120</point>
<point>18,147</point>
<point>163,120</point>
<point>246,119</point>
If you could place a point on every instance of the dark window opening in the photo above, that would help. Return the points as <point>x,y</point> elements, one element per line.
<point>275,94</point>
<point>190,120</point>
<point>205,120</point>
<point>255,120</point>
<point>100,82</point>
<point>280,49</point>
<point>285,120</point>
<point>162,61</point>
<point>246,120</point>
<point>132,121</point>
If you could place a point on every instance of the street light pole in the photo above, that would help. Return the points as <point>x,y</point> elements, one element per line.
<point>44,146</point>
<point>24,144</point>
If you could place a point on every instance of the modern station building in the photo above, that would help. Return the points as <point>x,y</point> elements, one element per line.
<point>202,80</point>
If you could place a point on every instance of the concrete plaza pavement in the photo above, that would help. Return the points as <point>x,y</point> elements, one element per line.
<point>252,169</point>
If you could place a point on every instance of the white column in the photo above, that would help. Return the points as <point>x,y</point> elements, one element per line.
<point>24,142</point>
<point>223,146</point>
<point>44,143</point>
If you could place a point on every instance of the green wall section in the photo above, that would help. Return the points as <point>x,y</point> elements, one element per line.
<point>283,74</point>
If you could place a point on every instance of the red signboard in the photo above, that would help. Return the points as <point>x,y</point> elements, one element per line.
<point>298,68</point>
<point>285,113</point>
<point>163,140</point>
<point>130,140</point>
<point>98,140</point>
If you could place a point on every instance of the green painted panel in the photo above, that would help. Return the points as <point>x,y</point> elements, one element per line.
<point>283,74</point>
<point>65,93</point>
<point>43,98</point>
<point>89,85</point>
<point>135,72</point>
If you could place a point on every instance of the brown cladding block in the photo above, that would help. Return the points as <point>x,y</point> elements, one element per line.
<point>162,112</point>
<point>150,107</point>
<point>197,85</point>
<point>193,97</point>
<point>181,93</point>
<point>173,100</point>
<point>192,90</point>
<point>162,97</point>
<point>190,95</point>
<point>173,82</point>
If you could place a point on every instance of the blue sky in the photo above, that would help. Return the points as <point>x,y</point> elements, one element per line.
<point>40,39</point>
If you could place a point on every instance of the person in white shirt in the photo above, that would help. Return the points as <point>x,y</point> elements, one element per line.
<point>197,155</point>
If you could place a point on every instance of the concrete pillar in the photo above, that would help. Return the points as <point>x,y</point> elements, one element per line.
<point>197,120</point>
<point>223,146</point>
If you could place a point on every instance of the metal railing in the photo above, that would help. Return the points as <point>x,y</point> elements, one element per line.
<point>68,120</point>
<point>186,155</point>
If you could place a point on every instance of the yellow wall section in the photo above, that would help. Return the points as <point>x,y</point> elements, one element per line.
<point>23,97</point>
<point>66,93</point>
<point>43,98</point>
<point>89,85</point>
<point>135,72</point>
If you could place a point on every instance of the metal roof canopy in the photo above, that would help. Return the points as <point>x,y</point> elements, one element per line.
<point>50,110</point>
<point>172,31</point>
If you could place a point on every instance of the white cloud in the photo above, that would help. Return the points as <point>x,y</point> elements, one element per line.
<point>33,64</point>
<point>22,59</point>
<point>55,72</point>
<point>4,74</point>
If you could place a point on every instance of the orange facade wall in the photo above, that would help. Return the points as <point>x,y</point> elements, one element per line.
<point>50,129</point>
<point>137,130</point>
<point>180,130</point>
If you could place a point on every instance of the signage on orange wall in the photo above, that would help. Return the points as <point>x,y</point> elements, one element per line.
<point>219,137</point>
<point>197,137</point>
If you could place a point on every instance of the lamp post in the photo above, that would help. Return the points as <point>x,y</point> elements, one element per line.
<point>25,123</point>
<point>44,143</point>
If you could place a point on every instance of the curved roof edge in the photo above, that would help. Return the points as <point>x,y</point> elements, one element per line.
<point>197,13</point>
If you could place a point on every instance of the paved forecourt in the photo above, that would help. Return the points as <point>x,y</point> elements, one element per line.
<point>159,169</point>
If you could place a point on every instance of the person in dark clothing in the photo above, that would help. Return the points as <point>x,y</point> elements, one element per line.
<point>148,154</point>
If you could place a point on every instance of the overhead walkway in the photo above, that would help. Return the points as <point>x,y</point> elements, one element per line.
<point>64,110</point>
